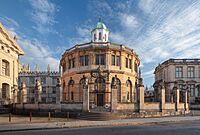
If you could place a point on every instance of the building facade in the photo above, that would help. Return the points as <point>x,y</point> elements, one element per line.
<point>28,81</point>
<point>100,61</point>
<point>185,73</point>
<point>9,66</point>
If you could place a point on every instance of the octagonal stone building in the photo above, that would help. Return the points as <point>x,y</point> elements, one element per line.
<point>100,61</point>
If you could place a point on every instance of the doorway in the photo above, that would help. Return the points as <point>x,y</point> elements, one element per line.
<point>100,100</point>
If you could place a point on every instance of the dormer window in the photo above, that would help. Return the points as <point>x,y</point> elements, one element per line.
<point>99,35</point>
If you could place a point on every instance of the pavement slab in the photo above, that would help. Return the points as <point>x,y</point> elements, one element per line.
<point>84,123</point>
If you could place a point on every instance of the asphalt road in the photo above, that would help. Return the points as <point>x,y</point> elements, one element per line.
<point>181,128</point>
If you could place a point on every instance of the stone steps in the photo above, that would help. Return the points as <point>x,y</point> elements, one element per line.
<point>97,116</point>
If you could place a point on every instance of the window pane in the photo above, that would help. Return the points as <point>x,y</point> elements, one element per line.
<point>102,59</point>
<point>117,61</point>
<point>5,68</point>
<point>126,62</point>
<point>86,60</point>
<point>192,90</point>
<point>69,63</point>
<point>82,60</point>
<point>73,63</point>
<point>32,80</point>
<point>179,72</point>
<point>130,63</point>
<point>190,72</point>
<point>135,67</point>
<point>97,59</point>
<point>113,60</point>
<point>43,80</point>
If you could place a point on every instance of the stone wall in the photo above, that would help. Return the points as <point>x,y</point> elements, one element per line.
<point>125,107</point>
<point>181,106</point>
<point>169,106</point>
<point>152,106</point>
<point>48,107</point>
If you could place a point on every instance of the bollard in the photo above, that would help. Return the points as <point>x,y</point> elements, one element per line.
<point>9,117</point>
<point>30,116</point>
<point>49,118</point>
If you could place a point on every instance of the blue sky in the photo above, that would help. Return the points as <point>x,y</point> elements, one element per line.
<point>156,29</point>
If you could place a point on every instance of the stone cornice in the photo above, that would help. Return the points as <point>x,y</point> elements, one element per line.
<point>13,45</point>
<point>93,46</point>
<point>178,62</point>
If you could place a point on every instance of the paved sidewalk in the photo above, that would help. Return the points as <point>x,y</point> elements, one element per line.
<point>81,123</point>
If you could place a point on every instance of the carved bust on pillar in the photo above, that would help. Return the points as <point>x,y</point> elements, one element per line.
<point>38,88</point>
<point>85,82</point>
<point>114,82</point>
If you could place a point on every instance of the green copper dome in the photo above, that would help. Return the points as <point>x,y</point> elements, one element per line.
<point>101,25</point>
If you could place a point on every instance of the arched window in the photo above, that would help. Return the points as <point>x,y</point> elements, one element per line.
<point>81,82</point>
<point>64,92</point>
<point>128,91</point>
<point>100,36</point>
<point>72,96</point>
<point>118,87</point>
<point>5,68</point>
<point>105,37</point>
<point>95,37</point>
<point>5,91</point>
<point>71,90</point>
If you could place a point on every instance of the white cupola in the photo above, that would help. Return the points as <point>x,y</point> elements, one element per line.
<point>100,33</point>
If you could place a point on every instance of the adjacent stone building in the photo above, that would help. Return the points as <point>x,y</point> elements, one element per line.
<point>30,82</point>
<point>9,66</point>
<point>183,72</point>
<point>100,61</point>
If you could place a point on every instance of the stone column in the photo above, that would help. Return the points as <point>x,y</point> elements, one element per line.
<point>186,101</point>
<point>162,98</point>
<point>114,94</point>
<point>177,98</point>
<point>58,91</point>
<point>85,96</point>
<point>141,95</point>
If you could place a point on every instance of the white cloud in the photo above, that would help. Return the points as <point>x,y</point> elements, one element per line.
<point>128,21</point>
<point>117,37</point>
<point>164,30</point>
<point>43,15</point>
<point>148,74</point>
<point>8,21</point>
<point>147,5</point>
<point>35,51</point>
